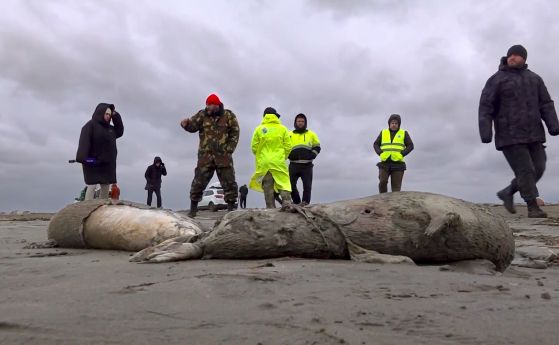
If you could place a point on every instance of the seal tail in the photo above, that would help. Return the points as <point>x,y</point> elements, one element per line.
<point>173,249</point>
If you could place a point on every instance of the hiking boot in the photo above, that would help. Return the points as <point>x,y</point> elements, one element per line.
<point>534,211</point>
<point>508,200</point>
<point>193,209</point>
<point>303,203</point>
<point>286,203</point>
<point>231,206</point>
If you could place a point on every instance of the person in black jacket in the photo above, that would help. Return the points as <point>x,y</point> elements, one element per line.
<point>153,180</point>
<point>243,191</point>
<point>515,101</point>
<point>97,149</point>
<point>392,145</point>
<point>305,146</point>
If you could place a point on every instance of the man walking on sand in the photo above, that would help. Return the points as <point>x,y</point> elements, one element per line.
<point>243,192</point>
<point>515,101</point>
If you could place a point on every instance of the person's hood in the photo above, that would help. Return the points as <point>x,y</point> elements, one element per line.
<point>300,130</point>
<point>504,67</point>
<point>99,113</point>
<point>397,118</point>
<point>270,118</point>
<point>270,110</point>
<point>157,159</point>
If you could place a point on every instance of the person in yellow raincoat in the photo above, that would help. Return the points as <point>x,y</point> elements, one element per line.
<point>271,146</point>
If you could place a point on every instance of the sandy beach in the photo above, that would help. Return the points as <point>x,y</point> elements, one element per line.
<point>68,296</point>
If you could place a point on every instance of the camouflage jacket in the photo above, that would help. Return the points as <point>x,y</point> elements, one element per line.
<point>219,136</point>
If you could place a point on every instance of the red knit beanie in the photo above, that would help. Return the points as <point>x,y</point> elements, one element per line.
<point>213,99</point>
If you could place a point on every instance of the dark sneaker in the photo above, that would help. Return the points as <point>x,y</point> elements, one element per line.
<point>508,200</point>
<point>534,211</point>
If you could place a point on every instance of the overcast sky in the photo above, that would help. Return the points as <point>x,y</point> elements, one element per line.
<point>346,64</point>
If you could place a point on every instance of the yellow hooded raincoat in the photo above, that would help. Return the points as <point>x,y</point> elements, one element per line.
<point>271,145</point>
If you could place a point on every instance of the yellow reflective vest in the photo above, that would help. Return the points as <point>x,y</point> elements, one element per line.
<point>304,146</point>
<point>271,145</point>
<point>392,148</point>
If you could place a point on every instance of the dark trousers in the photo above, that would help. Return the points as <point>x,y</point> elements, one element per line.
<point>303,171</point>
<point>527,161</point>
<point>157,193</point>
<point>203,176</point>
<point>396,177</point>
<point>243,201</point>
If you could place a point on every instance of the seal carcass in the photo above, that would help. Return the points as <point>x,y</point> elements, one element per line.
<point>112,224</point>
<point>428,228</point>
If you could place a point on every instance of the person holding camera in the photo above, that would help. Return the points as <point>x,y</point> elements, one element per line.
<point>153,180</point>
<point>97,150</point>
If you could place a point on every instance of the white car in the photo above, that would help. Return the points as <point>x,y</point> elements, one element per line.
<point>213,200</point>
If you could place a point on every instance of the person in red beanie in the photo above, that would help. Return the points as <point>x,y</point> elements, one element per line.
<point>218,130</point>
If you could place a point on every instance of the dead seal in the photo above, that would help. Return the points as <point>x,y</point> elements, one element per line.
<point>391,227</point>
<point>116,224</point>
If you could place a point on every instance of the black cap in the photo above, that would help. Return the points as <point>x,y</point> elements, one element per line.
<point>271,110</point>
<point>517,50</point>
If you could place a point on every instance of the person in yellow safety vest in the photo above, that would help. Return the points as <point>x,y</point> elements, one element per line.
<point>305,148</point>
<point>392,145</point>
<point>271,146</point>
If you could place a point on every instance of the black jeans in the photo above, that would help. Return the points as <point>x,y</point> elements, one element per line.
<point>528,164</point>
<point>243,201</point>
<point>304,171</point>
<point>157,193</point>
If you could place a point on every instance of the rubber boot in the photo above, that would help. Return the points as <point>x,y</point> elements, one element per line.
<point>508,199</point>
<point>193,208</point>
<point>534,211</point>
<point>286,202</point>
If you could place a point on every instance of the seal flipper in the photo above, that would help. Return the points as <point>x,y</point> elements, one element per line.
<point>441,222</point>
<point>174,249</point>
<point>358,253</point>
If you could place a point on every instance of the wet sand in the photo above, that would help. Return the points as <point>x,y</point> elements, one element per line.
<point>66,296</point>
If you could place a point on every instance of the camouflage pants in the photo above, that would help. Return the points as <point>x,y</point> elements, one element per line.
<point>203,175</point>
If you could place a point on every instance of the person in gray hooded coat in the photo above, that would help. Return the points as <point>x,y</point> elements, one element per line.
<point>153,180</point>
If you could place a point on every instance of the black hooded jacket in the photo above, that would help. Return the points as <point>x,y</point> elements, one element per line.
<point>153,174</point>
<point>389,164</point>
<point>515,101</point>
<point>98,142</point>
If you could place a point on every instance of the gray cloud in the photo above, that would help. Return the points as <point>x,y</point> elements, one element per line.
<point>347,65</point>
